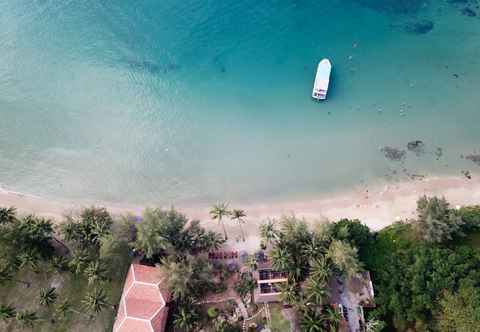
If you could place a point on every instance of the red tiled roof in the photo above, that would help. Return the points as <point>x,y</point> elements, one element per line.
<point>143,303</point>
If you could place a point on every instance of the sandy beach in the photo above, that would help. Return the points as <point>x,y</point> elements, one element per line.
<point>377,206</point>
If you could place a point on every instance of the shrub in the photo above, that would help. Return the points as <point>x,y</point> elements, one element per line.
<point>212,312</point>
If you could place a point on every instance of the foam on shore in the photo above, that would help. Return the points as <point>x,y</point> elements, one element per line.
<point>378,206</point>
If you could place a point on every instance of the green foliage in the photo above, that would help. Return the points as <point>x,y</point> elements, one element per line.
<point>30,234</point>
<point>7,215</point>
<point>95,300</point>
<point>245,286</point>
<point>288,253</point>
<point>238,216</point>
<point>85,231</point>
<point>95,272</point>
<point>471,217</point>
<point>460,311</point>
<point>166,232</point>
<point>48,296</point>
<point>218,212</point>
<point>7,312</point>
<point>374,325</point>
<point>28,260</point>
<point>319,319</point>
<point>212,312</point>
<point>268,231</point>
<point>59,263</point>
<point>63,309</point>
<point>115,252</point>
<point>316,290</point>
<point>290,293</point>
<point>220,324</point>
<point>409,276</point>
<point>436,222</point>
<point>188,278</point>
<point>355,233</point>
<point>26,318</point>
<point>344,258</point>
<point>27,245</point>
<point>186,319</point>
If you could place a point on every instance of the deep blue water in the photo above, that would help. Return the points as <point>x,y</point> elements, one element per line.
<point>197,101</point>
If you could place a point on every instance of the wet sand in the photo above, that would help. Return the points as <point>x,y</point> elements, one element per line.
<point>377,206</point>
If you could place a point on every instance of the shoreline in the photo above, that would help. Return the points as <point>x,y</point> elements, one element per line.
<point>378,206</point>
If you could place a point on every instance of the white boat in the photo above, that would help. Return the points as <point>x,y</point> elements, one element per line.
<point>322,79</point>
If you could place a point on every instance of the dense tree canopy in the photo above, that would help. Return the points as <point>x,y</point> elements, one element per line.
<point>311,257</point>
<point>169,232</point>
<point>410,276</point>
<point>85,231</point>
<point>460,311</point>
<point>436,222</point>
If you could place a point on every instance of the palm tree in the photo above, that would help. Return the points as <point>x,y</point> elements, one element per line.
<point>95,300</point>
<point>289,293</point>
<point>149,238</point>
<point>59,263</point>
<point>78,262</point>
<point>316,291</point>
<point>28,260</point>
<point>332,318</point>
<point>320,269</point>
<point>213,241</point>
<point>283,260</point>
<point>95,271</point>
<point>315,248</point>
<point>180,276</point>
<point>311,321</point>
<point>268,232</point>
<point>7,215</point>
<point>7,275</point>
<point>47,296</point>
<point>63,309</point>
<point>374,325</point>
<point>238,216</point>
<point>95,223</point>
<point>6,312</point>
<point>185,319</point>
<point>344,258</point>
<point>219,211</point>
<point>26,318</point>
<point>69,230</point>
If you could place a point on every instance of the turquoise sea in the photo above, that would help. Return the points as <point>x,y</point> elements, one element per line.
<point>172,102</point>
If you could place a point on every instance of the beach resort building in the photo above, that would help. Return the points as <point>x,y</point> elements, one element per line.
<point>351,296</point>
<point>144,303</point>
<point>268,283</point>
<point>348,295</point>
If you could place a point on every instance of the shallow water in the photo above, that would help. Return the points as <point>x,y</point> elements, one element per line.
<point>197,101</point>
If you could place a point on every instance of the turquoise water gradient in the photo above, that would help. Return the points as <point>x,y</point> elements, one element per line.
<point>196,101</point>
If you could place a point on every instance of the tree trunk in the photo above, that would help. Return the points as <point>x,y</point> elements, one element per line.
<point>224,230</point>
<point>243,234</point>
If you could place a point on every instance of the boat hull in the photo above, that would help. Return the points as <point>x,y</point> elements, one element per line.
<point>322,80</point>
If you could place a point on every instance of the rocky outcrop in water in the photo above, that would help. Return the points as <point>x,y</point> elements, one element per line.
<point>474,157</point>
<point>417,147</point>
<point>419,27</point>
<point>393,154</point>
<point>467,174</point>
<point>468,12</point>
